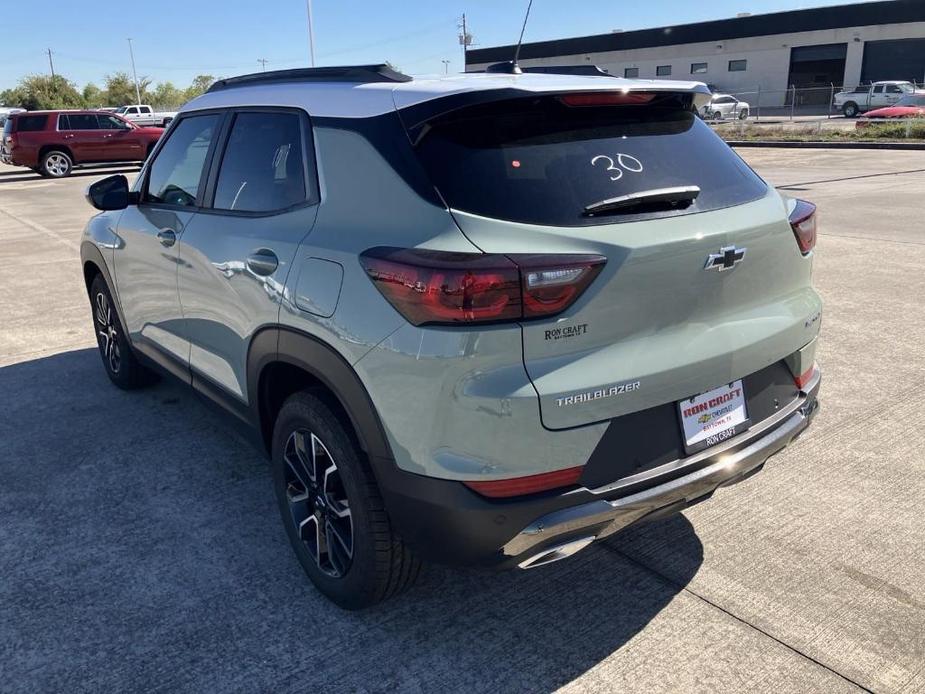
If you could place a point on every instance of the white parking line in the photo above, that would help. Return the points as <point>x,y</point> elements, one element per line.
<point>38,227</point>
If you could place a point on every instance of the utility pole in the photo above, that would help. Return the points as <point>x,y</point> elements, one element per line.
<point>311,34</point>
<point>131,52</point>
<point>465,39</point>
<point>263,63</point>
<point>51,64</point>
<point>446,66</point>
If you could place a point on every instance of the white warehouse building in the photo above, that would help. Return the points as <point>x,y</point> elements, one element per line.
<point>810,50</point>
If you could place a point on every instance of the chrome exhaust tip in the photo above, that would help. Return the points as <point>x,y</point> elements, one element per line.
<point>563,551</point>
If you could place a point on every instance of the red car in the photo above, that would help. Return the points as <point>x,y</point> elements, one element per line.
<point>53,142</point>
<point>910,106</point>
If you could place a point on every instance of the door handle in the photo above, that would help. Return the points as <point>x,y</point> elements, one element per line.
<point>262,262</point>
<point>167,237</point>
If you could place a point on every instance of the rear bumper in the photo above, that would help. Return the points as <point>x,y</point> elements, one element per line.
<point>540,542</point>
<point>448,523</point>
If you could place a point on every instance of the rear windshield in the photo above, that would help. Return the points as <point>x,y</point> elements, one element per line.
<point>7,125</point>
<point>25,124</point>
<point>540,161</point>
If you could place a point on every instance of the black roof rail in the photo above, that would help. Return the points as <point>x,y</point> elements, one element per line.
<point>346,73</point>
<point>587,70</point>
<point>511,68</point>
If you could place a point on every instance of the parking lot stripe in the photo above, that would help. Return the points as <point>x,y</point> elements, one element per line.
<point>44,230</point>
<point>685,589</point>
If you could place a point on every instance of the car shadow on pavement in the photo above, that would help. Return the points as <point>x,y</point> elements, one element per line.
<point>140,548</point>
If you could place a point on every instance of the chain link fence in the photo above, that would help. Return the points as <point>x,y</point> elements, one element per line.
<point>788,104</point>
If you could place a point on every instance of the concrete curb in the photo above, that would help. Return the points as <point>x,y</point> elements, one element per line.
<point>826,145</point>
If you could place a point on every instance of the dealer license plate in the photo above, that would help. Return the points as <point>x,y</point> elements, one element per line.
<point>713,417</point>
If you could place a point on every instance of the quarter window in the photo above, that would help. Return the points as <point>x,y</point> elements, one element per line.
<point>663,71</point>
<point>631,72</point>
<point>25,124</point>
<point>263,169</point>
<point>177,170</point>
<point>738,65</point>
<point>698,68</point>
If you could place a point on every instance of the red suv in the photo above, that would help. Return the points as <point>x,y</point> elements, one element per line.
<point>53,142</point>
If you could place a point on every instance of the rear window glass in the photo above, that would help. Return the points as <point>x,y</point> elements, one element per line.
<point>25,124</point>
<point>540,161</point>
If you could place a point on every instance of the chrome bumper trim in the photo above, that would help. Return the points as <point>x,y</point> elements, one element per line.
<point>805,394</point>
<point>601,518</point>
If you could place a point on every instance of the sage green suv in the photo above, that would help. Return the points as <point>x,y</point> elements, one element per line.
<point>485,320</point>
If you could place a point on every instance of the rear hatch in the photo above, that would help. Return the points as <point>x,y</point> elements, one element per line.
<point>656,325</point>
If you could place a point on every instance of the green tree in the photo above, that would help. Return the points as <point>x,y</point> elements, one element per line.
<point>199,86</point>
<point>120,89</point>
<point>166,96</point>
<point>36,92</point>
<point>93,96</point>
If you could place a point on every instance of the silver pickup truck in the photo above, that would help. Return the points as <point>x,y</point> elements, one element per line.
<point>142,114</point>
<point>869,97</point>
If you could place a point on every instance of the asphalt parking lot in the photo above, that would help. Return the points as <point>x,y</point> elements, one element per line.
<point>140,547</point>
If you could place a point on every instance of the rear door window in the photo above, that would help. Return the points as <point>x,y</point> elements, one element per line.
<point>78,121</point>
<point>541,161</point>
<point>263,168</point>
<point>176,172</point>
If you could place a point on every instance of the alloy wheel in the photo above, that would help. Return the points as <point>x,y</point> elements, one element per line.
<point>56,165</point>
<point>318,503</point>
<point>107,333</point>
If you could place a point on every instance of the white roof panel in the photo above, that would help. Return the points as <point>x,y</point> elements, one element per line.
<point>360,100</point>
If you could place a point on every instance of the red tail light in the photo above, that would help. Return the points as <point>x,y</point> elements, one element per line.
<point>530,484</point>
<point>607,98</point>
<point>805,377</point>
<point>803,221</point>
<point>442,288</point>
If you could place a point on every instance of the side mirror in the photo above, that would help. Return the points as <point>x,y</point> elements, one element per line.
<point>111,193</point>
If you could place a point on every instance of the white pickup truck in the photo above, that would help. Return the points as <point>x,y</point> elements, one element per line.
<point>142,114</point>
<point>876,95</point>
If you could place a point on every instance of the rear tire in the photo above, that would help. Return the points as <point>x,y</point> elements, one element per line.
<point>121,365</point>
<point>332,510</point>
<point>717,115</point>
<point>743,114</point>
<point>850,110</point>
<point>56,164</point>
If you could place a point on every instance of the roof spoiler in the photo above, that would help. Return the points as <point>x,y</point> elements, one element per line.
<point>360,74</point>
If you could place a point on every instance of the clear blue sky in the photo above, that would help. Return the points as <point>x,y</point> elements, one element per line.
<point>177,39</point>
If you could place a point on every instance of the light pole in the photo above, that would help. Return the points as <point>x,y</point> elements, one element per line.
<point>446,66</point>
<point>134,74</point>
<point>311,34</point>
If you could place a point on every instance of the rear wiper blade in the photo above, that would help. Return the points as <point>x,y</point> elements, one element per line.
<point>673,196</point>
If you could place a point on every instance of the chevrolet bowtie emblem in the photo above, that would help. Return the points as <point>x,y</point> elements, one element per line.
<point>727,258</point>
